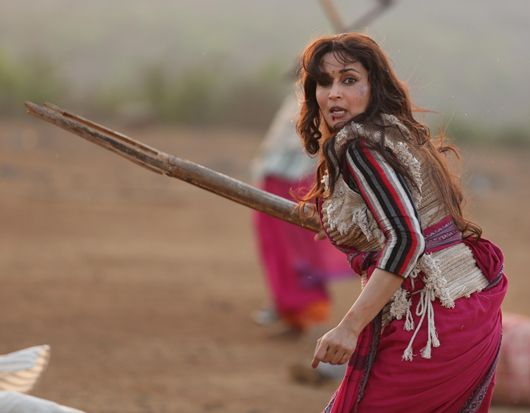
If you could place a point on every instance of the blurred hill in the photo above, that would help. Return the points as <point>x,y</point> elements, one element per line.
<point>467,60</point>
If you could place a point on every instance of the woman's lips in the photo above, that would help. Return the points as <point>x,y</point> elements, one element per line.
<point>337,113</point>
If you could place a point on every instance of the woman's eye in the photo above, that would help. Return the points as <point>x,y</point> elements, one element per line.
<point>349,81</point>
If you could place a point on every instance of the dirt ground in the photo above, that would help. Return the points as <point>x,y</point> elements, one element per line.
<point>143,285</point>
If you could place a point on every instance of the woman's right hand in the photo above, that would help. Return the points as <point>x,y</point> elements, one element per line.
<point>336,346</point>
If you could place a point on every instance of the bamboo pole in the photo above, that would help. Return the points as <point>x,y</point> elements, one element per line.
<point>363,21</point>
<point>333,15</point>
<point>172,166</point>
<point>360,24</point>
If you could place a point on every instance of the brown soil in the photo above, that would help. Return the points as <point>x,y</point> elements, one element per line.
<point>143,285</point>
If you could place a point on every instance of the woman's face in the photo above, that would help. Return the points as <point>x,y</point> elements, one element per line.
<point>344,93</point>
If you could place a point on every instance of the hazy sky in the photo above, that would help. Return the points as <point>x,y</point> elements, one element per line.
<point>469,57</point>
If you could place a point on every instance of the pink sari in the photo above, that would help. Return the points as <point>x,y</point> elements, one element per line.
<point>460,375</point>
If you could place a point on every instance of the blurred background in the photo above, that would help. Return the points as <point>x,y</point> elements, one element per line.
<point>143,285</point>
<point>213,62</point>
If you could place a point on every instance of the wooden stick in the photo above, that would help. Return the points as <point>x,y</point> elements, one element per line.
<point>367,18</point>
<point>333,15</point>
<point>165,164</point>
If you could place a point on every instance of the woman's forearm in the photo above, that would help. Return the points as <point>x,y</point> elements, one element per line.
<point>380,288</point>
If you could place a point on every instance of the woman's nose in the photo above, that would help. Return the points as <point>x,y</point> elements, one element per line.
<point>335,92</point>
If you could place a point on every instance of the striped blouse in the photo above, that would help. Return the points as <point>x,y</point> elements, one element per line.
<point>388,198</point>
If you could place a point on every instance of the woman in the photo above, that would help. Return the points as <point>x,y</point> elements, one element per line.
<point>424,333</point>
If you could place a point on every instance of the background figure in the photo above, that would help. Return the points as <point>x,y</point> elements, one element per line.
<point>296,266</point>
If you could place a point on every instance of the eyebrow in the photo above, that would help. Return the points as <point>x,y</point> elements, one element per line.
<point>347,69</point>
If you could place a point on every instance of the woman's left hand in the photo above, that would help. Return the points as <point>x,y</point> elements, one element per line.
<point>335,347</point>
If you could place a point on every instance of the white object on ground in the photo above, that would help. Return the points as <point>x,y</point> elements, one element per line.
<point>13,402</point>
<point>20,370</point>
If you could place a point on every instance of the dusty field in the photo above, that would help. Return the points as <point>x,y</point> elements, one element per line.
<point>143,285</point>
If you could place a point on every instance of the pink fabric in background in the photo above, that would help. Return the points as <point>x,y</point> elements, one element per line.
<point>295,265</point>
<point>513,371</point>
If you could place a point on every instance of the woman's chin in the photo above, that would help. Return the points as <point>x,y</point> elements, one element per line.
<point>338,126</point>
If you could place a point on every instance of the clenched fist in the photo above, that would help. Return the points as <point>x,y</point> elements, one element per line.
<point>335,347</point>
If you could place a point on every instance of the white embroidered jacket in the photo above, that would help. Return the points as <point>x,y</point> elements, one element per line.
<point>448,274</point>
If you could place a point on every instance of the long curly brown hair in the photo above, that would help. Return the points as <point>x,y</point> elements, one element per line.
<point>388,96</point>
